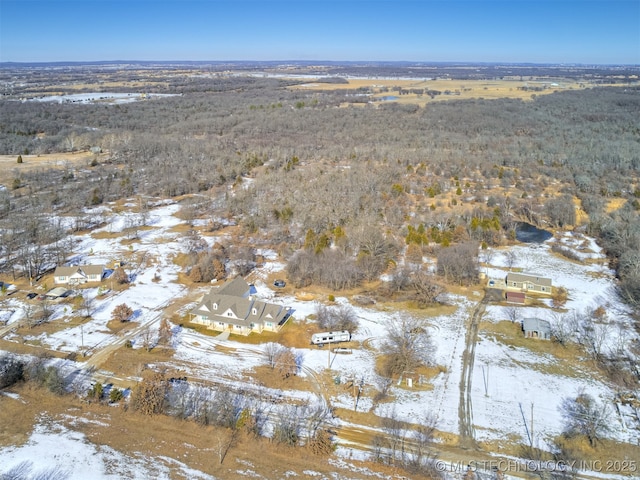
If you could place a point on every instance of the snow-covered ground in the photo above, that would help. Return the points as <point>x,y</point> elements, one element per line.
<point>506,385</point>
<point>54,451</point>
<point>100,97</point>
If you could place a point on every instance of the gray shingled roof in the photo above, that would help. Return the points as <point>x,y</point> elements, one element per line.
<point>528,277</point>
<point>86,269</point>
<point>236,288</point>
<point>234,296</point>
<point>533,324</point>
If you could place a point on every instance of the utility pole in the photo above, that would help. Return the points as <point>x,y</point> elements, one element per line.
<point>355,396</point>
<point>486,381</point>
<point>525,424</point>
<point>532,436</point>
<point>82,338</point>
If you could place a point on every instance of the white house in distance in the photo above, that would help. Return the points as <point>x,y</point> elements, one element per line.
<point>232,307</point>
<point>79,274</point>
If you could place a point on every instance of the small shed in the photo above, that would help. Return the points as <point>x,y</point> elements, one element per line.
<point>536,328</point>
<point>58,292</point>
<point>516,297</point>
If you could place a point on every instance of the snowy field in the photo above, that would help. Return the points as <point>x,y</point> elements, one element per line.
<point>505,381</point>
<point>100,97</point>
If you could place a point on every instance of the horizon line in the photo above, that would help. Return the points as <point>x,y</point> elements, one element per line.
<point>319,62</point>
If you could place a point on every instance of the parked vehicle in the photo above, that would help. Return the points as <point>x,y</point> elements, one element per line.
<point>343,351</point>
<point>279,283</point>
<point>330,337</point>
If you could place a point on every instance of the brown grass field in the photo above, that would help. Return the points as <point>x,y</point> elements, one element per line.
<point>461,89</point>
<point>152,436</point>
<point>10,168</point>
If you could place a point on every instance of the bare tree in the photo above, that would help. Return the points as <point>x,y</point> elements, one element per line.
<point>11,370</point>
<point>132,224</point>
<point>149,339</point>
<point>287,426</point>
<point>383,385</point>
<point>408,346</point>
<point>271,352</point>
<point>562,328</point>
<point>84,303</point>
<point>28,311</point>
<point>342,317</point>
<point>193,242</point>
<point>164,333</point>
<point>427,290</point>
<point>512,313</point>
<point>418,456</point>
<point>286,363</point>
<point>395,434</point>
<point>120,276</point>
<point>561,211</point>
<point>400,279</point>
<point>459,263</point>
<point>584,416</point>
<point>23,471</point>
<point>225,439</point>
<point>511,259</point>
<point>122,313</point>
<point>46,310</point>
<point>150,395</point>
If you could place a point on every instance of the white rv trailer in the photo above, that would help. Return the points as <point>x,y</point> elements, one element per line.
<point>330,337</point>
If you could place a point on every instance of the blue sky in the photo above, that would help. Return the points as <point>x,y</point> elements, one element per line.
<point>538,31</point>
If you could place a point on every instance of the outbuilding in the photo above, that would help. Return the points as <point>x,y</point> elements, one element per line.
<point>516,297</point>
<point>536,328</point>
<point>58,292</point>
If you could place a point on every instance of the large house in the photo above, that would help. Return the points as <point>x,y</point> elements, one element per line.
<point>529,282</point>
<point>78,274</point>
<point>232,307</point>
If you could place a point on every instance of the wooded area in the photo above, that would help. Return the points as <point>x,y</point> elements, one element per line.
<point>303,170</point>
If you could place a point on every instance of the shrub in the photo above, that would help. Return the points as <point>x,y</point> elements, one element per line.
<point>115,395</point>
<point>96,391</point>
<point>11,370</point>
<point>337,318</point>
<point>122,313</point>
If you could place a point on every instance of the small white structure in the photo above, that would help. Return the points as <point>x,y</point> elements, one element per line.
<point>330,337</point>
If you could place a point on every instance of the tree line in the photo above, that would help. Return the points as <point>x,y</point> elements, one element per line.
<point>306,164</point>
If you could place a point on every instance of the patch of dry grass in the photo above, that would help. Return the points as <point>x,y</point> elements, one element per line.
<point>459,89</point>
<point>134,434</point>
<point>570,360</point>
<point>270,378</point>
<point>608,456</point>
<point>9,166</point>
<point>614,204</point>
<point>129,362</point>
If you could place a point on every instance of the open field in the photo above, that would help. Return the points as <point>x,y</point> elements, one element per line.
<point>10,168</point>
<point>450,89</point>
